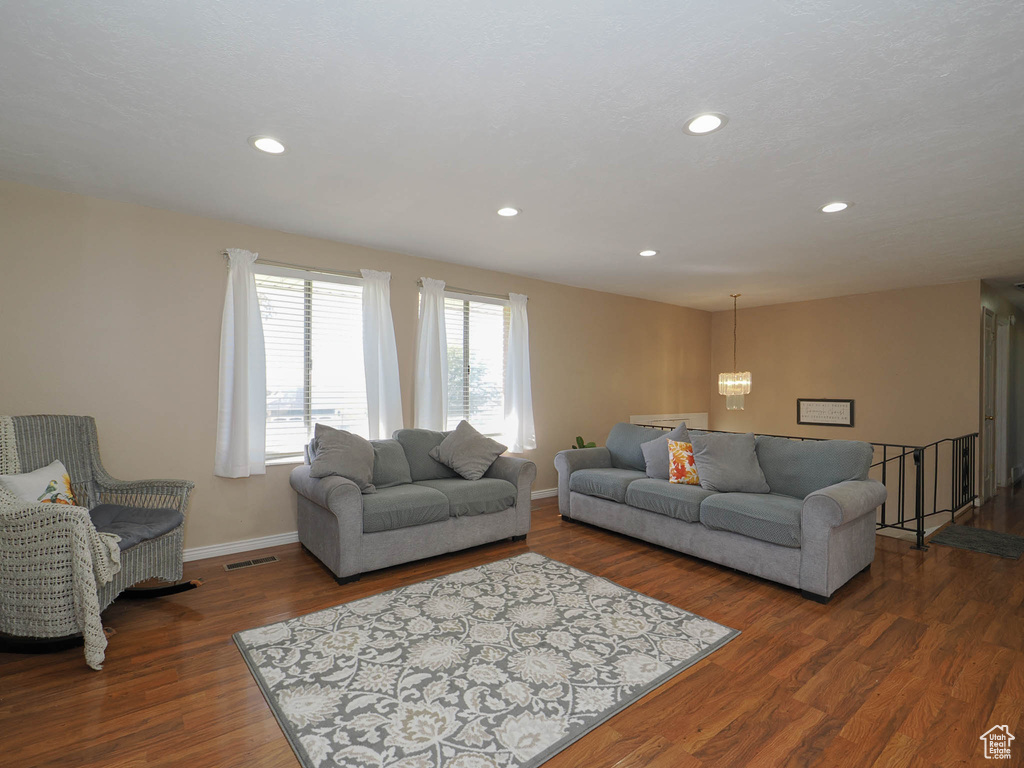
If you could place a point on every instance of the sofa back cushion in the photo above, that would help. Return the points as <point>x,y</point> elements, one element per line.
<point>728,463</point>
<point>799,467</point>
<point>624,443</point>
<point>390,467</point>
<point>417,444</point>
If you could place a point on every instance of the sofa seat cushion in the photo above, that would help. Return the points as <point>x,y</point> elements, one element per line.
<point>403,506</point>
<point>134,524</point>
<point>764,516</point>
<point>606,483</point>
<point>474,497</point>
<point>681,502</point>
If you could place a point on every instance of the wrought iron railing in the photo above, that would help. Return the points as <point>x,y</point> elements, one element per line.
<point>953,457</point>
<point>918,477</point>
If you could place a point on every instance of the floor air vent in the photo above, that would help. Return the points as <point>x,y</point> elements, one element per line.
<point>249,563</point>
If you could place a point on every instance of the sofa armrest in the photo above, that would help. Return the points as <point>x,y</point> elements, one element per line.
<point>515,471</point>
<point>842,503</point>
<point>582,458</point>
<point>837,532</point>
<point>521,473</point>
<point>338,494</point>
<point>567,462</point>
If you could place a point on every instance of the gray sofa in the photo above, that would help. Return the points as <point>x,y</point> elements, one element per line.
<point>814,531</point>
<point>421,508</point>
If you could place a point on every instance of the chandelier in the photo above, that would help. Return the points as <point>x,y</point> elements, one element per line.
<point>736,384</point>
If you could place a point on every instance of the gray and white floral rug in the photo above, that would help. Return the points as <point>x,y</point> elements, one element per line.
<point>499,666</point>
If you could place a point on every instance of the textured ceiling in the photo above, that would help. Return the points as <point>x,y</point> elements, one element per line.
<point>408,123</point>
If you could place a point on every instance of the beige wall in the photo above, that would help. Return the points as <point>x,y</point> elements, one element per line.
<point>908,358</point>
<point>114,310</point>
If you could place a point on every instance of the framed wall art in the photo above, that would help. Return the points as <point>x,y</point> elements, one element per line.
<point>824,412</point>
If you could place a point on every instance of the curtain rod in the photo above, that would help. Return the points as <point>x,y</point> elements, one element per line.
<point>453,289</point>
<point>340,273</point>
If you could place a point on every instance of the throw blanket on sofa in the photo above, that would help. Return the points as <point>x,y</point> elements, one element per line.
<point>50,578</point>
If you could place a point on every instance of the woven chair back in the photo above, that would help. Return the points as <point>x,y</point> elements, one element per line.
<point>68,439</point>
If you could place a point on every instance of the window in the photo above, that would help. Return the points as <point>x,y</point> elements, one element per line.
<point>477,333</point>
<point>313,333</point>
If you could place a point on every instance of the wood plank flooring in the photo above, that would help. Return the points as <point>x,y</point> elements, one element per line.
<point>908,665</point>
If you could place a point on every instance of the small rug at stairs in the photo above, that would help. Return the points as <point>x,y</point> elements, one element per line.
<point>980,540</point>
<point>499,666</point>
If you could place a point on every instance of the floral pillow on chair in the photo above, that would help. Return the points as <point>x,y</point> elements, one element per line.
<point>47,485</point>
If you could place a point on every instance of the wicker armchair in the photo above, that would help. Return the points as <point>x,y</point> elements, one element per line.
<point>57,569</point>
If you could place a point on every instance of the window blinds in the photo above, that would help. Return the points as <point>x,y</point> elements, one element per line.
<point>477,334</point>
<point>313,332</point>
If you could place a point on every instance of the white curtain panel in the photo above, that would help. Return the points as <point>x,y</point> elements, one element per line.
<point>242,401</point>
<point>380,356</point>
<point>520,433</point>
<point>431,403</point>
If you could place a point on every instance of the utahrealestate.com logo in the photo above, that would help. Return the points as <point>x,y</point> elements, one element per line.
<point>997,742</point>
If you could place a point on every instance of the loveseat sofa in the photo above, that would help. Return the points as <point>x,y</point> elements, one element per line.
<point>420,508</point>
<point>814,530</point>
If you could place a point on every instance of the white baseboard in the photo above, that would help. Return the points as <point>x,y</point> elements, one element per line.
<point>232,547</point>
<point>263,542</point>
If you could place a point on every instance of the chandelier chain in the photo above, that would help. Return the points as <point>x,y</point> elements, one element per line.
<point>734,297</point>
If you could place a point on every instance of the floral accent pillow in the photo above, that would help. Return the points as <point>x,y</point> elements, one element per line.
<point>48,485</point>
<point>682,468</point>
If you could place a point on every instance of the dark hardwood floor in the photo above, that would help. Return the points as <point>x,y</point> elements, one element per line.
<point>907,666</point>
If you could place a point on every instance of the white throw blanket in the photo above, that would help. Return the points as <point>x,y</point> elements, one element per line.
<point>52,563</point>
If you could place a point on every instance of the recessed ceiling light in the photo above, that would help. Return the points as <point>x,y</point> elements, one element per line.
<point>508,211</point>
<point>648,253</point>
<point>835,207</point>
<point>267,144</point>
<point>705,123</point>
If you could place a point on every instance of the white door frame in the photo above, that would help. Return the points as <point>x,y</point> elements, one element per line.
<point>1002,400</point>
<point>988,404</point>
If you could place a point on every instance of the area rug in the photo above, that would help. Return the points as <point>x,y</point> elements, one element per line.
<point>979,540</point>
<point>499,666</point>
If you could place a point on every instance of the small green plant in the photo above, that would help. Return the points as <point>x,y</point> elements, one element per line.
<point>581,444</point>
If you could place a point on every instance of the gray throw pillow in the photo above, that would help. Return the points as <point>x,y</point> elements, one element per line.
<point>728,463</point>
<point>467,451</point>
<point>656,451</point>
<point>341,453</point>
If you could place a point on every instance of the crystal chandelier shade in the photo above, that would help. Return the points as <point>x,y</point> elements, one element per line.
<point>735,384</point>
